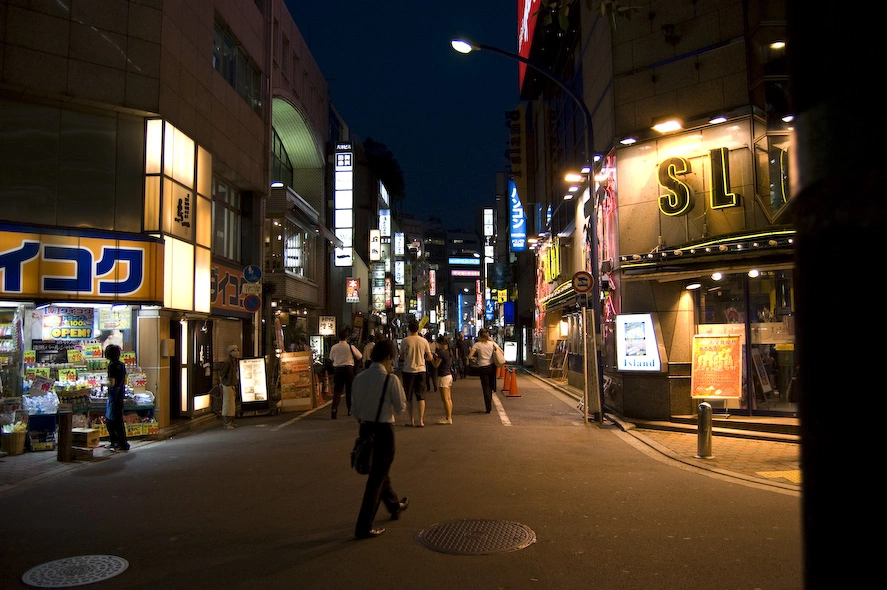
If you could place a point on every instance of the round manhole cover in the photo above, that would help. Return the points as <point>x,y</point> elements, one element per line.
<point>476,537</point>
<point>75,571</point>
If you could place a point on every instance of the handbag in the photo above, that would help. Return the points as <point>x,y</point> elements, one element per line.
<point>498,356</point>
<point>362,453</point>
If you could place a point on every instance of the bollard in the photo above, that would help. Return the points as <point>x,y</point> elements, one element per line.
<point>65,437</point>
<point>703,431</point>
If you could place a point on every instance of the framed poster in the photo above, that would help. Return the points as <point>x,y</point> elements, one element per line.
<point>296,381</point>
<point>253,386</point>
<point>559,356</point>
<point>637,345</point>
<point>717,366</point>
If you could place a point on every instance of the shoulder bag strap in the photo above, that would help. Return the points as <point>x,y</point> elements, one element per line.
<point>382,398</point>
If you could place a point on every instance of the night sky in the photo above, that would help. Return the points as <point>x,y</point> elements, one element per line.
<point>394,77</point>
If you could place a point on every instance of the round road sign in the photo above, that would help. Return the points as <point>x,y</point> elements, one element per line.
<point>252,303</point>
<point>582,282</point>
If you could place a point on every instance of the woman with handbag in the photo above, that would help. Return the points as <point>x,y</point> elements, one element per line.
<point>483,350</point>
<point>378,397</point>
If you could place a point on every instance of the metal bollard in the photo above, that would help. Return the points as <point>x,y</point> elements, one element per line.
<point>703,431</point>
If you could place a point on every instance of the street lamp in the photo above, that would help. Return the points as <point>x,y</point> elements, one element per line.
<point>465,46</point>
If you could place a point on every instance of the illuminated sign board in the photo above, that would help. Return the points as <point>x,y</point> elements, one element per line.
<point>465,261</point>
<point>637,347</point>
<point>375,245</point>
<point>352,290</point>
<point>343,199</point>
<point>464,273</point>
<point>399,244</point>
<point>518,220</point>
<point>80,266</point>
<point>385,222</point>
<point>527,14</point>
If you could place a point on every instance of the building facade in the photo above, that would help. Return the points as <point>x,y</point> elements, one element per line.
<point>685,230</point>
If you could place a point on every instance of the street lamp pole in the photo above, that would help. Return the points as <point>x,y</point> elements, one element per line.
<point>465,46</point>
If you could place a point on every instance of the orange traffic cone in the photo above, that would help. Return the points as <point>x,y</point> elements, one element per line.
<point>512,390</point>
<point>507,385</point>
<point>500,372</point>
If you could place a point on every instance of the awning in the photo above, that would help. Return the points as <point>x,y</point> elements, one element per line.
<point>326,233</point>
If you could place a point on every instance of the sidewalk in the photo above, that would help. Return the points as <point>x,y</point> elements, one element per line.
<point>758,457</point>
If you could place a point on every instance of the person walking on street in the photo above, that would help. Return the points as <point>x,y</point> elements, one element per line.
<point>483,350</point>
<point>443,364</point>
<point>430,373</point>
<point>462,346</point>
<point>379,380</point>
<point>229,379</point>
<point>116,394</point>
<point>368,349</point>
<point>345,358</point>
<point>414,353</point>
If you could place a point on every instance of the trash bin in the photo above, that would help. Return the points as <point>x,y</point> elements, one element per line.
<point>13,443</point>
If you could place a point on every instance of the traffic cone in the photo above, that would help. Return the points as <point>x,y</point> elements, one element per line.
<point>512,390</point>
<point>500,372</point>
<point>507,385</point>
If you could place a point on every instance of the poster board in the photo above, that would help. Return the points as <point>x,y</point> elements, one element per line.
<point>761,370</point>
<point>296,381</point>
<point>253,384</point>
<point>717,366</point>
<point>558,364</point>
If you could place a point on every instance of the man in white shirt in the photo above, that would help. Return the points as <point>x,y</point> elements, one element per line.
<point>414,353</point>
<point>345,358</point>
<point>378,399</point>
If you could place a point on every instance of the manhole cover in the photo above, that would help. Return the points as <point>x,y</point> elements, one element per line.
<point>476,537</point>
<point>75,571</point>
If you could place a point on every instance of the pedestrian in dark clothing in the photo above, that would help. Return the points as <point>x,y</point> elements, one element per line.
<point>430,370</point>
<point>483,349</point>
<point>345,358</point>
<point>379,380</point>
<point>463,347</point>
<point>116,395</point>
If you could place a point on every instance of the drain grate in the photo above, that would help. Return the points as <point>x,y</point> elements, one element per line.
<point>74,571</point>
<point>476,537</point>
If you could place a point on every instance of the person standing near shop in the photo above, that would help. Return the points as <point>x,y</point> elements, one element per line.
<point>443,364</point>
<point>414,353</point>
<point>116,395</point>
<point>483,349</point>
<point>379,380</point>
<point>229,379</point>
<point>345,358</point>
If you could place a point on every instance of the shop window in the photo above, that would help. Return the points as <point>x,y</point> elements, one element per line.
<point>759,306</point>
<point>227,219</point>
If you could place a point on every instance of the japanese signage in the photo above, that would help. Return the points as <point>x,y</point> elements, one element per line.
<point>67,323</point>
<point>327,325</point>
<point>252,380</point>
<point>352,290</point>
<point>93,266</point>
<point>518,220</point>
<point>717,366</point>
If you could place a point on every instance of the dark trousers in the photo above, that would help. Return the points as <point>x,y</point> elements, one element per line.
<point>430,377</point>
<point>378,488</point>
<point>487,376</point>
<point>117,433</point>
<point>342,378</point>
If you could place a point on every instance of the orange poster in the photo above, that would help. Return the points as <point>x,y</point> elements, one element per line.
<point>717,366</point>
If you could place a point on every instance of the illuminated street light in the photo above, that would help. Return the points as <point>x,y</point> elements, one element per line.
<point>465,46</point>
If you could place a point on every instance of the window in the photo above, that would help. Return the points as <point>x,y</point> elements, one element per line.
<point>236,67</point>
<point>281,167</point>
<point>289,248</point>
<point>226,220</point>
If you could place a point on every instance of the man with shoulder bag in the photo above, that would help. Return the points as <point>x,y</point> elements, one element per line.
<point>378,398</point>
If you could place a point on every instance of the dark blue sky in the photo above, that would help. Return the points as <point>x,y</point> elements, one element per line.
<point>394,77</point>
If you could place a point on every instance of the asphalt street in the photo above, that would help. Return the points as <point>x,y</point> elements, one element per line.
<point>529,496</point>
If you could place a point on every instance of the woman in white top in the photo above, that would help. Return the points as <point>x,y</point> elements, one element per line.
<point>483,349</point>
